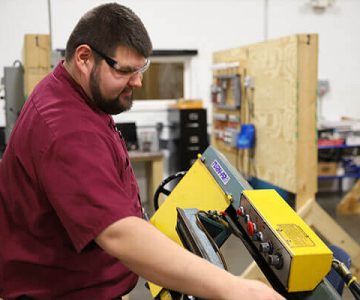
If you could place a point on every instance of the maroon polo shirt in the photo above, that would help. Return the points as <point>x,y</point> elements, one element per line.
<point>64,178</point>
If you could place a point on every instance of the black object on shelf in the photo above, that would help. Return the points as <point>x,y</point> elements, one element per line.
<point>128,132</point>
<point>188,137</point>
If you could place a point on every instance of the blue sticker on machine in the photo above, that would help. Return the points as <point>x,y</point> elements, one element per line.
<point>220,172</point>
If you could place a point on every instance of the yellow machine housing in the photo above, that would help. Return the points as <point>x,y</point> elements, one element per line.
<point>197,189</point>
<point>213,184</point>
<point>304,259</point>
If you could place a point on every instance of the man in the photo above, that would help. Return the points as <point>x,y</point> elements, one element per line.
<point>71,222</point>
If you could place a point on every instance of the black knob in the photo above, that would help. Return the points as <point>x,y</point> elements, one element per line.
<point>265,247</point>
<point>258,236</point>
<point>276,261</point>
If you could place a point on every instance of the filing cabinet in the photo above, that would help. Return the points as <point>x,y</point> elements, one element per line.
<point>188,134</point>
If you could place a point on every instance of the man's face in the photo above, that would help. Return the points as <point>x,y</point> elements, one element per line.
<point>112,91</point>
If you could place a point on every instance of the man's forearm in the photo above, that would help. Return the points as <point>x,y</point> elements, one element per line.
<point>149,253</point>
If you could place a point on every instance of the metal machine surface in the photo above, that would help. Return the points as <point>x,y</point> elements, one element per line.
<point>290,254</point>
<point>14,95</point>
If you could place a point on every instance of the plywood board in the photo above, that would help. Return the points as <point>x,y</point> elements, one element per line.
<point>350,204</point>
<point>307,148</point>
<point>36,51</point>
<point>282,106</point>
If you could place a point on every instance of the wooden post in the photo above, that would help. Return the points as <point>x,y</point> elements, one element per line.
<point>350,204</point>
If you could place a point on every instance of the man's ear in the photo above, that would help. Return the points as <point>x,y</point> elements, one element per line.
<point>84,59</point>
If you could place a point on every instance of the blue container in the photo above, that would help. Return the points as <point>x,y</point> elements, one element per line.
<point>246,136</point>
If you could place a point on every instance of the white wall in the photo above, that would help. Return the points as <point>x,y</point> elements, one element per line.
<point>339,48</point>
<point>210,25</point>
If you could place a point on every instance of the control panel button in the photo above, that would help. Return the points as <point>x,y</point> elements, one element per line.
<point>258,236</point>
<point>251,228</point>
<point>240,211</point>
<point>276,260</point>
<point>265,247</point>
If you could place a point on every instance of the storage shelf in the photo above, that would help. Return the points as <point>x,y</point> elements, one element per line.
<point>337,146</point>
<point>340,176</point>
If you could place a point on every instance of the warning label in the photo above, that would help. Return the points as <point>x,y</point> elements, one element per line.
<point>294,236</point>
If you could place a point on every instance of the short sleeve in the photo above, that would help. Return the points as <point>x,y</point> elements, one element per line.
<point>89,183</point>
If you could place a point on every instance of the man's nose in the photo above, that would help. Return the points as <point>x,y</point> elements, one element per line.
<point>136,80</point>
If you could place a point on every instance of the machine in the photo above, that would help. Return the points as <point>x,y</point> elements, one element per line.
<point>213,200</point>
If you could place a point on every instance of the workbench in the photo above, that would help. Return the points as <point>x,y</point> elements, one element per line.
<point>154,169</point>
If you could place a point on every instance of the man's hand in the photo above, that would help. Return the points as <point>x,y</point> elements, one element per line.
<point>254,290</point>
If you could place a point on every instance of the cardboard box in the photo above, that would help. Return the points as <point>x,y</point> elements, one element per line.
<point>327,168</point>
<point>32,77</point>
<point>36,51</point>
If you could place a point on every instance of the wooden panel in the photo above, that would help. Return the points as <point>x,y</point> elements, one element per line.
<point>350,204</point>
<point>273,68</point>
<point>281,104</point>
<point>32,76</point>
<point>36,57</point>
<point>37,52</point>
<point>307,150</point>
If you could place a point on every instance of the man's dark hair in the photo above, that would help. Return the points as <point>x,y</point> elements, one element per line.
<point>108,26</point>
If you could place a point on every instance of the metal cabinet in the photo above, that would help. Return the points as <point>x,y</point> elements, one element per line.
<point>188,132</point>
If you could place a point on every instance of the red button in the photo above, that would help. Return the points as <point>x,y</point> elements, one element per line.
<point>240,212</point>
<point>250,228</point>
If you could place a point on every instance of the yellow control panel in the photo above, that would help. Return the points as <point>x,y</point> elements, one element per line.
<point>295,253</point>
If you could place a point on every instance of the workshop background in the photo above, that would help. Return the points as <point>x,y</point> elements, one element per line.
<point>185,36</point>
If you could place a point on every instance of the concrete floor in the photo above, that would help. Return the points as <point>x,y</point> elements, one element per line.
<point>237,257</point>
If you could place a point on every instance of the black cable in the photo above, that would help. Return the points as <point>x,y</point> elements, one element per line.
<point>354,288</point>
<point>234,229</point>
<point>348,277</point>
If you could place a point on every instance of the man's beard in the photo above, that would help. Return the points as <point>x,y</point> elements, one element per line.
<point>112,106</point>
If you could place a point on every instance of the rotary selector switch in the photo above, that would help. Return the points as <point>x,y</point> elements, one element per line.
<point>276,260</point>
<point>265,247</point>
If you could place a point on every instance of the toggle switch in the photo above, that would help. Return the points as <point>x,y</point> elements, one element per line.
<point>240,211</point>
<point>251,228</point>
